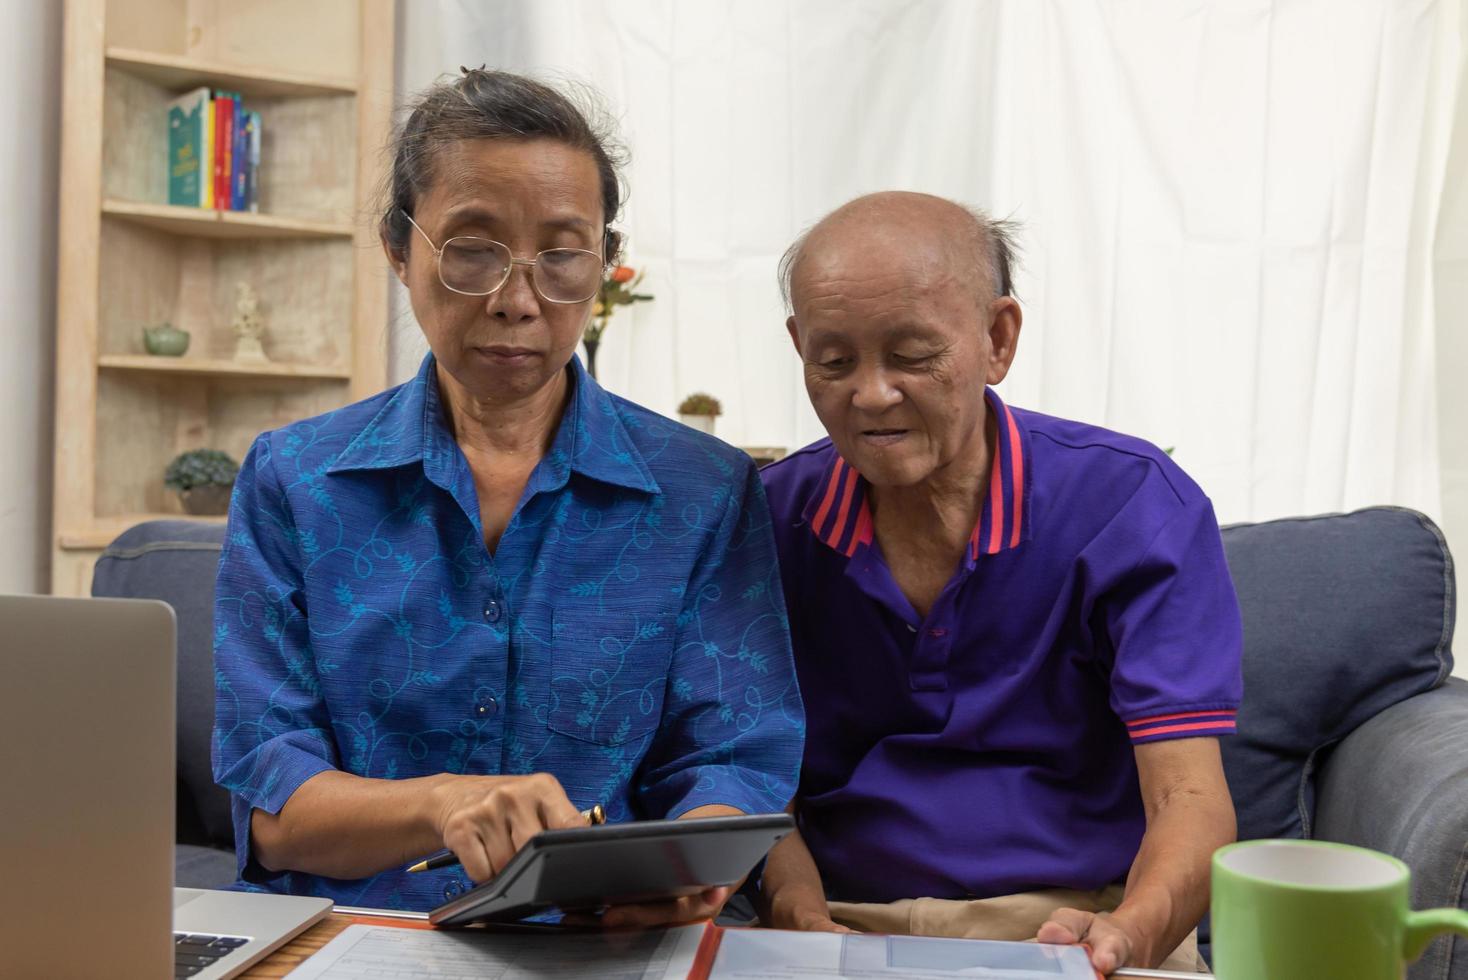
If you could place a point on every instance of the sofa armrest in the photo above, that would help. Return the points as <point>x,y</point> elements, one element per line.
<point>1399,784</point>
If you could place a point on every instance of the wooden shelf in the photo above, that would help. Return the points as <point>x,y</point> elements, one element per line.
<point>172,71</point>
<point>208,223</point>
<point>321,77</point>
<point>219,368</point>
<point>106,529</point>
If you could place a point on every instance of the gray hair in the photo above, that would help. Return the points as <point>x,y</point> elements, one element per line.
<point>485,104</point>
<point>994,242</point>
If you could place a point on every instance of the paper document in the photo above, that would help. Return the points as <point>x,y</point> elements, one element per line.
<point>766,954</point>
<point>375,952</point>
<point>378,952</point>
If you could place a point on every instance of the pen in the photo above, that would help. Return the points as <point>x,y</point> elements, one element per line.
<point>596,815</point>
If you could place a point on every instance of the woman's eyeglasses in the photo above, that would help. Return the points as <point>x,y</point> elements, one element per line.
<point>481,266</point>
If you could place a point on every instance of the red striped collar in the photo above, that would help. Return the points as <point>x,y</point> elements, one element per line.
<point>839,516</point>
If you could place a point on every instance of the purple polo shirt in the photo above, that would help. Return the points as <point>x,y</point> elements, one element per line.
<point>986,748</point>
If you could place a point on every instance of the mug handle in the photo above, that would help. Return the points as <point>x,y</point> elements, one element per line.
<point>1423,927</point>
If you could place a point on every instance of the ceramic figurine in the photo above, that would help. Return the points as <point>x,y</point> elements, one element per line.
<point>248,325</point>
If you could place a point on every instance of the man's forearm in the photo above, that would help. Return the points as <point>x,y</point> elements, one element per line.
<point>792,889</point>
<point>1167,889</point>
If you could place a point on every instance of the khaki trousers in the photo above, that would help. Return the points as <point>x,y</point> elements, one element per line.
<point>1012,917</point>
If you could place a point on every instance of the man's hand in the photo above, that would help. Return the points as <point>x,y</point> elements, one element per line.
<point>485,820</point>
<point>1111,944</point>
<point>792,894</point>
<point>805,920</point>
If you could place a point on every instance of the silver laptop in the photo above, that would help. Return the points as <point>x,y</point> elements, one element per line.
<point>87,806</point>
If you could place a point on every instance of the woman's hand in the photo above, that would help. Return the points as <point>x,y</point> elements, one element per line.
<point>645,915</point>
<point>485,820</point>
<point>690,908</point>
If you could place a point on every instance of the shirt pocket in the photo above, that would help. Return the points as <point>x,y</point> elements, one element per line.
<point>608,676</point>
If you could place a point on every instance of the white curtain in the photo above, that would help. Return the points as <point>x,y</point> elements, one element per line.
<point>1229,208</point>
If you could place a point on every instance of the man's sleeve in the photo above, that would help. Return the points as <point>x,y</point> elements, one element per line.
<point>733,726</point>
<point>272,731</point>
<point>1173,622</point>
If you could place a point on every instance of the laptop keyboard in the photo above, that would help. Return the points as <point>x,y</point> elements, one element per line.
<point>194,951</point>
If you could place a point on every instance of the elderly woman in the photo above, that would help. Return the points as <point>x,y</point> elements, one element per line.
<point>472,606</point>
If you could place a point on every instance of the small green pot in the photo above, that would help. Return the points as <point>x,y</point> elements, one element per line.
<point>1296,909</point>
<point>165,340</point>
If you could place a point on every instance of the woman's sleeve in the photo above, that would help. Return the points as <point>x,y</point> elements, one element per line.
<point>272,731</point>
<point>733,727</point>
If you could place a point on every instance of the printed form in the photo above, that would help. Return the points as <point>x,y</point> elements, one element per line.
<point>380,952</point>
<point>768,954</point>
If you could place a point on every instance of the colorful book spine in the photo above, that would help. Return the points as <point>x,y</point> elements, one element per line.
<point>239,157</point>
<point>214,146</point>
<point>206,160</point>
<point>252,178</point>
<point>187,148</point>
<point>223,147</point>
<point>218,155</point>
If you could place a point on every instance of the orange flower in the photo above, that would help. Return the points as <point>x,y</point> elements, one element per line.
<point>623,274</point>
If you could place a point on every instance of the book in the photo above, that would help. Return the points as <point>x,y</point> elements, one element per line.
<point>206,159</point>
<point>223,147</point>
<point>239,159</point>
<point>188,125</point>
<point>215,155</point>
<point>252,173</point>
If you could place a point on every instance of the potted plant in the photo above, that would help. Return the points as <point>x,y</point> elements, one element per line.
<point>618,288</point>
<point>699,410</point>
<point>204,479</point>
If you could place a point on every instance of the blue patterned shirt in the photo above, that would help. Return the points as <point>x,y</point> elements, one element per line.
<point>628,635</point>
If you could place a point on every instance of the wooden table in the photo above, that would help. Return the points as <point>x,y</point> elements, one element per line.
<point>298,950</point>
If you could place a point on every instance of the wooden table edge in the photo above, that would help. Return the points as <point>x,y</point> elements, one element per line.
<point>310,942</point>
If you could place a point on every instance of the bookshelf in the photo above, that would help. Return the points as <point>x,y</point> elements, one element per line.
<point>320,75</point>
<point>206,223</point>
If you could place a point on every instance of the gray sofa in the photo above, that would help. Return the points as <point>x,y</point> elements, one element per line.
<point>1351,729</point>
<point>176,561</point>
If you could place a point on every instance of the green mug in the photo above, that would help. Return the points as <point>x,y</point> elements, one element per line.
<point>1299,909</point>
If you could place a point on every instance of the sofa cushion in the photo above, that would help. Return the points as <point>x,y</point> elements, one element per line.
<point>177,561</point>
<point>1399,784</point>
<point>1344,616</point>
<point>203,867</point>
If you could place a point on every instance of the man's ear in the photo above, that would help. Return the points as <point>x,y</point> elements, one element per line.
<point>396,258</point>
<point>794,333</point>
<point>1005,320</point>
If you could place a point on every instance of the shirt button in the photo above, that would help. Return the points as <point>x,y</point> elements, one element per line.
<point>452,888</point>
<point>487,708</point>
<point>493,610</point>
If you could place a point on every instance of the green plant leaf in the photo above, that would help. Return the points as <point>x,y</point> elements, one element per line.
<point>200,468</point>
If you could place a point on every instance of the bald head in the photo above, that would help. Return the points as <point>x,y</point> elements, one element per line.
<point>901,315</point>
<point>949,239</point>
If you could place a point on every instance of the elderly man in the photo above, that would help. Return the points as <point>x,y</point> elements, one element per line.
<point>1016,635</point>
